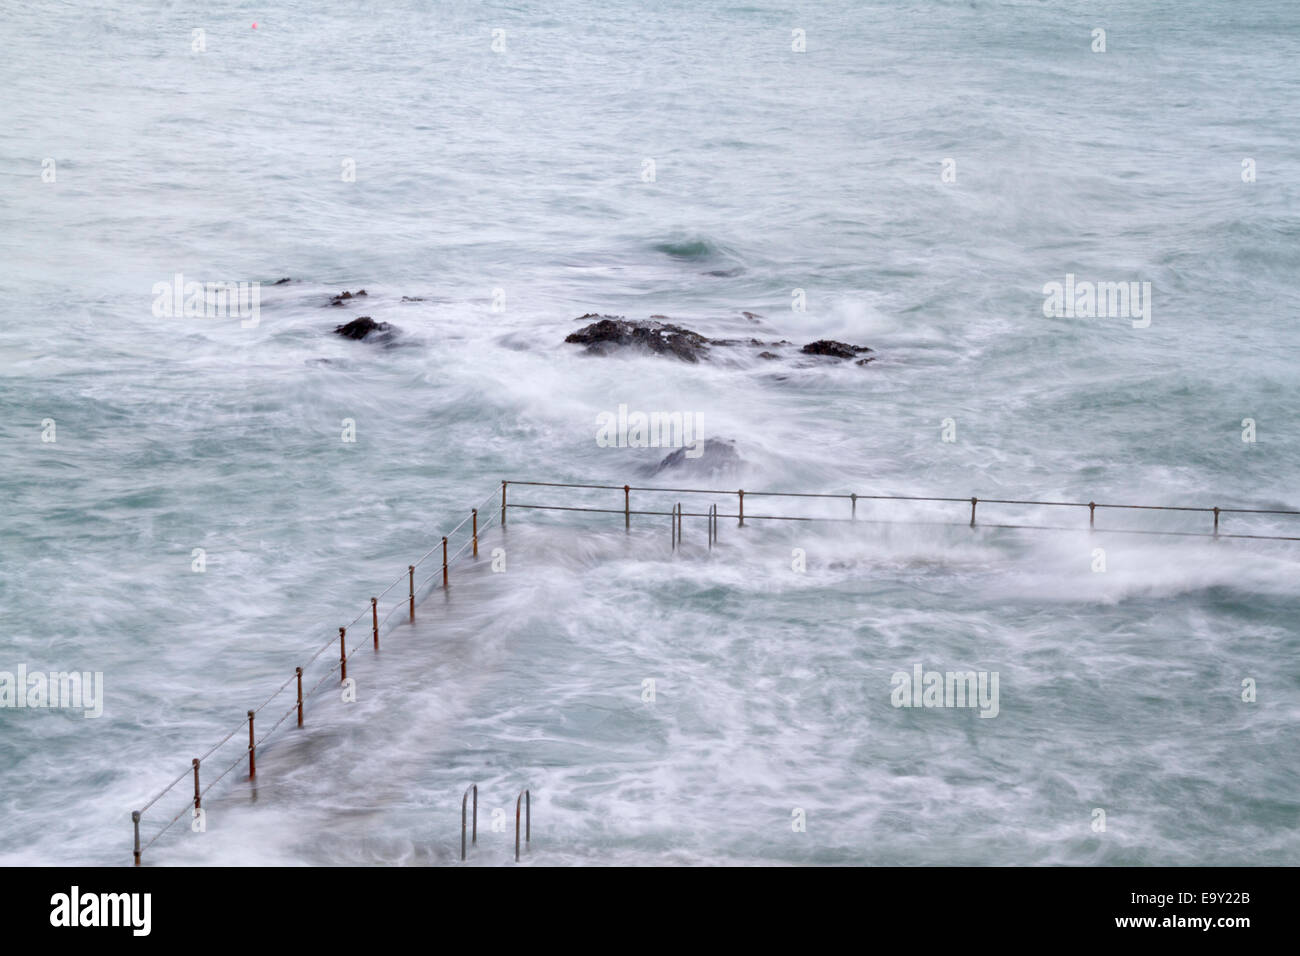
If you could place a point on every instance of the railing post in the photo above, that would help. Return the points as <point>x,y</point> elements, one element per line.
<point>343,652</point>
<point>197,795</point>
<point>1216,521</point>
<point>627,508</point>
<point>973,503</point>
<point>298,671</point>
<point>444,562</point>
<point>463,800</point>
<point>374,620</point>
<point>503,504</point>
<point>528,834</point>
<point>741,493</point>
<point>474,513</point>
<point>1092,515</point>
<point>252,748</point>
<point>854,498</point>
<point>411,570</point>
<point>135,822</point>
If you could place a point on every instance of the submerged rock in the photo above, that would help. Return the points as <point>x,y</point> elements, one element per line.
<point>361,327</point>
<point>703,459</point>
<point>662,338</point>
<point>285,281</point>
<point>834,349</point>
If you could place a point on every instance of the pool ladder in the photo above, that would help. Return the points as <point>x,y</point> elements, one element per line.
<point>524,796</point>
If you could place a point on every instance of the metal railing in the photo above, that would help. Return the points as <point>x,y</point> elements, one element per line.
<point>406,601</point>
<point>675,513</point>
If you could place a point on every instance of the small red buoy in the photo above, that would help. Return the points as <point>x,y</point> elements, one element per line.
<point>254,26</point>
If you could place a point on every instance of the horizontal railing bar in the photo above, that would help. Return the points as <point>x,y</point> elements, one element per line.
<point>934,524</point>
<point>848,497</point>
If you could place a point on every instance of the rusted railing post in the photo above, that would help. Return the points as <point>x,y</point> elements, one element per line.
<point>627,508</point>
<point>1092,515</point>
<point>374,620</point>
<point>298,671</point>
<point>503,505</point>
<point>135,822</point>
<point>973,503</point>
<point>473,787</point>
<point>474,514</point>
<point>528,833</point>
<point>1216,521</point>
<point>741,493</point>
<point>197,796</point>
<point>252,748</point>
<point>444,562</point>
<point>410,568</point>
<point>854,498</point>
<point>343,652</point>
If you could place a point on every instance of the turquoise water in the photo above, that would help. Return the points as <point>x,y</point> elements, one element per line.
<point>515,178</point>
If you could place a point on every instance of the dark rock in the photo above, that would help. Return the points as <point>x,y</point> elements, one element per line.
<point>411,298</point>
<point>281,282</point>
<point>752,316</point>
<point>833,349</point>
<point>863,361</point>
<point>361,327</point>
<point>724,273</point>
<point>768,355</point>
<point>342,296</point>
<point>702,459</point>
<point>661,338</point>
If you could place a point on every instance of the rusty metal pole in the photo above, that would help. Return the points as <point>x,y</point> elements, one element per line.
<point>627,508</point>
<point>343,651</point>
<point>973,503</point>
<point>1216,521</point>
<point>298,670</point>
<point>135,821</point>
<point>463,801</point>
<point>444,562</point>
<point>252,748</point>
<point>197,795</point>
<point>529,835</point>
<point>503,505</point>
<point>411,570</point>
<point>374,619</point>
<point>474,513</point>
<point>742,506</point>
<point>1092,515</point>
